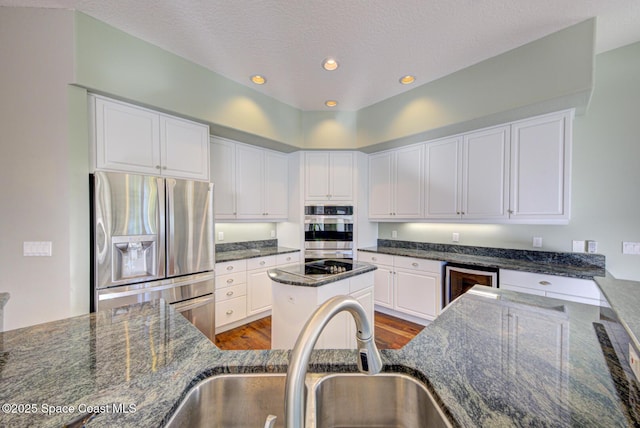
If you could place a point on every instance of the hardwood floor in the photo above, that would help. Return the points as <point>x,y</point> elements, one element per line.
<point>391,333</point>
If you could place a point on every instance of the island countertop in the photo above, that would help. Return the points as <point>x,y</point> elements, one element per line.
<point>297,274</point>
<point>492,359</point>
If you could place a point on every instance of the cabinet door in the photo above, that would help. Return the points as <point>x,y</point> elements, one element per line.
<point>383,286</point>
<point>365,298</point>
<point>258,291</point>
<point>223,176</point>
<point>341,176</point>
<point>276,183</point>
<point>408,182</point>
<point>540,159</point>
<point>380,185</point>
<point>442,183</point>
<point>417,294</point>
<point>485,174</point>
<point>184,148</point>
<point>127,138</point>
<point>316,172</point>
<point>249,182</point>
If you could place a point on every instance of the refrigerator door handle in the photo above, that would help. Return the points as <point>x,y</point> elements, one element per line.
<point>171,262</point>
<point>188,305</point>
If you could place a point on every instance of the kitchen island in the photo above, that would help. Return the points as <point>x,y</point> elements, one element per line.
<point>298,290</point>
<point>491,359</point>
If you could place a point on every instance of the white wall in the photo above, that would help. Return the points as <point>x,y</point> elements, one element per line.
<point>38,198</point>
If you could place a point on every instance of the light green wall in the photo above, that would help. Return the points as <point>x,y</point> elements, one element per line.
<point>329,130</point>
<point>243,232</point>
<point>605,178</point>
<point>113,62</point>
<point>549,74</point>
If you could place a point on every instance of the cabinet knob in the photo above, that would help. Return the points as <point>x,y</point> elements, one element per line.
<point>510,211</point>
<point>229,293</point>
<point>414,264</point>
<point>157,166</point>
<point>229,281</point>
<point>373,259</point>
<point>230,311</point>
<point>457,212</point>
<point>462,212</point>
<point>164,167</point>
<point>229,267</point>
<point>544,283</point>
<point>288,258</point>
<point>262,263</point>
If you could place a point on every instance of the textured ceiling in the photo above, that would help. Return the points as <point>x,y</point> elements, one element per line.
<point>375,41</point>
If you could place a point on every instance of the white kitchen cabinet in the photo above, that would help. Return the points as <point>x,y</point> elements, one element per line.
<point>259,284</point>
<point>541,168</point>
<point>467,177</point>
<point>328,176</point>
<point>132,139</point>
<point>261,184</point>
<point>223,176</point>
<point>293,305</point>
<point>558,287</point>
<point>406,287</point>
<point>396,184</point>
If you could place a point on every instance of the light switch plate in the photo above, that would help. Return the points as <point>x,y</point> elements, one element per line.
<point>37,248</point>
<point>578,246</point>
<point>631,248</point>
<point>537,242</point>
<point>455,237</point>
<point>592,246</point>
<point>394,233</point>
<point>220,236</point>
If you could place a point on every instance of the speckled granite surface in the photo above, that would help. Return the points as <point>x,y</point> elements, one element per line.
<point>574,265</point>
<point>249,250</point>
<point>624,298</point>
<point>514,360</point>
<point>282,276</point>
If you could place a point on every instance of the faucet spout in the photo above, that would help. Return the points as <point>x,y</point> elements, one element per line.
<point>369,360</point>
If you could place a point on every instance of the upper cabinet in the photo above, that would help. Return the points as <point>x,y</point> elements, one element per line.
<point>250,183</point>
<point>129,138</point>
<point>328,176</point>
<point>396,183</point>
<point>541,168</point>
<point>516,173</point>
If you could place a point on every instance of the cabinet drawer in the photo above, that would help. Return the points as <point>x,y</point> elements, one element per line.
<point>232,292</point>
<point>261,262</point>
<point>418,264</point>
<point>551,283</point>
<point>285,259</point>
<point>360,281</point>
<point>376,258</point>
<point>230,279</point>
<point>229,267</point>
<point>231,310</point>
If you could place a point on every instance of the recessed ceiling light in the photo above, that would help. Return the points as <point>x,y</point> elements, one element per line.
<point>330,64</point>
<point>331,103</point>
<point>258,79</point>
<point>408,79</point>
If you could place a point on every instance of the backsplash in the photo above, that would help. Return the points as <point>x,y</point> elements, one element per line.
<point>247,245</point>
<point>575,259</point>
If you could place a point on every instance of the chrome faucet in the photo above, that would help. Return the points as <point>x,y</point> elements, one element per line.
<point>369,360</point>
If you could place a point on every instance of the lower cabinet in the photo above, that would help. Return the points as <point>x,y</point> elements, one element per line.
<point>293,305</point>
<point>406,287</point>
<point>558,287</point>
<point>243,289</point>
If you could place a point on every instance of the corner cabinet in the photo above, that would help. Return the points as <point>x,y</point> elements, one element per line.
<point>250,183</point>
<point>328,176</point>
<point>133,139</point>
<point>396,184</point>
<point>541,168</point>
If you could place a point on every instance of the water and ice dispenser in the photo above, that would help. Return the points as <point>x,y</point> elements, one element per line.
<point>134,257</point>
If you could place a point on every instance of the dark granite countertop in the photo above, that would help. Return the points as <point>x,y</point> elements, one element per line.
<point>285,275</point>
<point>510,360</point>
<point>251,253</point>
<point>544,262</point>
<point>624,298</point>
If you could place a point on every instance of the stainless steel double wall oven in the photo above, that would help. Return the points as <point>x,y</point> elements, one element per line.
<point>328,232</point>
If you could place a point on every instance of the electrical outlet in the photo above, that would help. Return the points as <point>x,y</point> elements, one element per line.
<point>220,236</point>
<point>578,246</point>
<point>634,362</point>
<point>537,242</point>
<point>455,237</point>
<point>592,246</point>
<point>394,233</point>
<point>273,233</point>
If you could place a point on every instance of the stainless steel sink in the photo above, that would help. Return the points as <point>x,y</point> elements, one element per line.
<point>232,401</point>
<point>332,400</point>
<point>383,400</point>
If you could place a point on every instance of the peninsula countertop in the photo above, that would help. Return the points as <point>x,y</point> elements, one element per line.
<point>135,364</point>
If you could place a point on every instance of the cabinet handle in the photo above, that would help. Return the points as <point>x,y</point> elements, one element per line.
<point>288,258</point>
<point>230,311</point>
<point>157,166</point>
<point>229,267</point>
<point>229,281</point>
<point>544,283</point>
<point>164,167</point>
<point>414,264</point>
<point>457,212</point>
<point>510,211</point>
<point>462,212</point>
<point>373,259</point>
<point>229,293</point>
<point>262,263</point>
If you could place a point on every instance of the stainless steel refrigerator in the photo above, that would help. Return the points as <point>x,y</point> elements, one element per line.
<point>152,238</point>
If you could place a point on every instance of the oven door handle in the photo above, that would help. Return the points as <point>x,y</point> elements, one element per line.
<point>328,220</point>
<point>190,304</point>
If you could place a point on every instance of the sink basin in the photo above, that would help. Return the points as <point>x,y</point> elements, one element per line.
<point>232,401</point>
<point>332,400</point>
<point>383,400</point>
